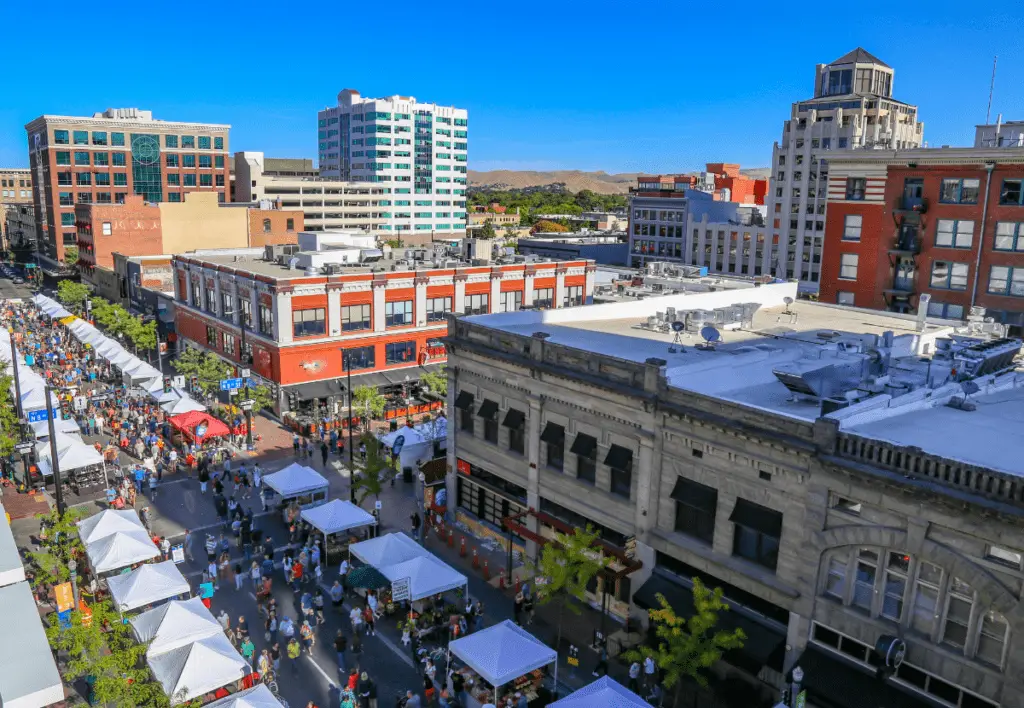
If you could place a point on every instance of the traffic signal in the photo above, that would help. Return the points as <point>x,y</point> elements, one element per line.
<point>65,409</point>
<point>167,384</point>
<point>293,402</point>
<point>194,381</point>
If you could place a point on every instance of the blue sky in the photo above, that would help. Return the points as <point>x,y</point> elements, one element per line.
<point>640,86</point>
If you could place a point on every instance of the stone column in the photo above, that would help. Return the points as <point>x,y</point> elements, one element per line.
<point>588,284</point>
<point>495,294</point>
<point>282,317</point>
<point>420,301</point>
<point>533,431</point>
<point>646,490</point>
<point>559,287</point>
<point>333,309</point>
<point>217,299</point>
<point>528,287</point>
<point>459,305</point>
<point>378,287</point>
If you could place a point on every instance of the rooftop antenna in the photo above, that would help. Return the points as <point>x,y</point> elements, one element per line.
<point>711,336</point>
<point>677,339</point>
<point>991,89</point>
<point>789,301</point>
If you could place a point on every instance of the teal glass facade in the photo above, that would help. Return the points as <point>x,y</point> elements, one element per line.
<point>146,175</point>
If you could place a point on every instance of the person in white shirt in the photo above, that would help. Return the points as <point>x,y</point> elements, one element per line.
<point>343,573</point>
<point>356,617</point>
<point>649,672</point>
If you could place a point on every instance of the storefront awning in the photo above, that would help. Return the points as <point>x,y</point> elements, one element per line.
<point>584,445</point>
<point>831,682</point>
<point>759,648</point>
<point>757,517</point>
<point>699,496</point>
<point>514,418</point>
<point>619,457</point>
<point>488,409</point>
<point>553,433</point>
<point>464,401</point>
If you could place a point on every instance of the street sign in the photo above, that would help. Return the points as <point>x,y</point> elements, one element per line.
<point>178,381</point>
<point>801,699</point>
<point>37,416</point>
<point>400,590</point>
<point>24,447</point>
<point>80,403</point>
<point>99,398</point>
<point>230,384</point>
<point>178,553</point>
<point>247,404</point>
<point>64,596</point>
<point>232,392</point>
<point>378,505</point>
<point>245,373</point>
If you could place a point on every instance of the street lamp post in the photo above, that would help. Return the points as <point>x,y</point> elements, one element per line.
<point>18,408</point>
<point>73,569</point>
<point>58,490</point>
<point>243,358</point>
<point>351,449</point>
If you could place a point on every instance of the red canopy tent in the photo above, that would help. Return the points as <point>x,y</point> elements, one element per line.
<point>188,422</point>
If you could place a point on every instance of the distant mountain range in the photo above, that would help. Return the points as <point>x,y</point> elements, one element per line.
<point>574,180</point>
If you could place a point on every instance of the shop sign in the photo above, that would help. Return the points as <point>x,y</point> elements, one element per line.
<point>463,467</point>
<point>178,553</point>
<point>64,596</point>
<point>400,590</point>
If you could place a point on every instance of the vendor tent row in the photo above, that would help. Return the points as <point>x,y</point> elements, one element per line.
<point>135,371</point>
<point>398,557</point>
<point>187,652</point>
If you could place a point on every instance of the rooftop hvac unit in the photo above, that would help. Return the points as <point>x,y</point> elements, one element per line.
<point>696,319</point>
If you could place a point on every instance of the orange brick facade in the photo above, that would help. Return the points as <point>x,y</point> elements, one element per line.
<point>272,227</point>
<point>132,228</point>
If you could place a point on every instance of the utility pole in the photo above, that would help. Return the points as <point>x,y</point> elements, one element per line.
<point>351,446</point>
<point>243,358</point>
<point>58,487</point>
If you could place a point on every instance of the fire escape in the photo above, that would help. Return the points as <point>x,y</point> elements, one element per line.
<point>908,217</point>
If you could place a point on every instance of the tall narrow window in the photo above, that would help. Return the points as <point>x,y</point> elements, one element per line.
<point>926,598</point>
<point>864,579</point>
<point>553,438</point>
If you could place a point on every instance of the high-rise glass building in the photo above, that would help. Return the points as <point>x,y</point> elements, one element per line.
<point>412,152</point>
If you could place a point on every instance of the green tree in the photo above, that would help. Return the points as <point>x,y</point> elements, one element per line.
<point>10,430</point>
<point>567,564</point>
<point>549,227</point>
<point>62,544</point>
<point>142,334</point>
<point>207,367</point>
<point>263,398</point>
<point>487,230</point>
<point>368,402</point>
<point>393,242</point>
<point>71,254</point>
<point>436,381</point>
<point>72,294</point>
<point>687,647</point>
<point>375,470</point>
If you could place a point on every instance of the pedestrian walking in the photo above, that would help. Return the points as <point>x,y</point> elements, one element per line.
<point>324,453</point>
<point>211,548</point>
<point>294,651</point>
<point>188,546</point>
<point>340,646</point>
<point>165,548</point>
<point>367,691</point>
<point>239,576</point>
<point>248,649</point>
<point>307,637</point>
<point>356,618</point>
<point>255,575</point>
<point>144,516</point>
<point>649,673</point>
<point>415,523</point>
<point>634,676</point>
<point>275,657</point>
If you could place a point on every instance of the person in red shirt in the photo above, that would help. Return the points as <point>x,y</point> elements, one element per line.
<point>296,575</point>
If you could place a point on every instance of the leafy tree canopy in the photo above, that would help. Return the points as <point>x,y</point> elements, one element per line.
<point>436,381</point>
<point>368,401</point>
<point>72,294</point>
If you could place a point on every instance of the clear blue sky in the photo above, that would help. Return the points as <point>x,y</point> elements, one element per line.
<point>549,85</point>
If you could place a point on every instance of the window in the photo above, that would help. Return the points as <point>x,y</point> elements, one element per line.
<point>398,314</point>
<point>515,421</point>
<point>477,304</point>
<point>188,160</point>
<point>173,180</point>
<point>267,227</point>
<point>99,137</point>
<point>81,158</point>
<point>60,137</point>
<point>489,412</point>
<point>355,317</point>
<point>226,299</point>
<point>1003,280</point>
<point>188,141</point>
<point>620,460</point>
<point>211,300</point>
<point>309,323</point>
<point>512,301</point>
<point>864,579</point>
<point>696,507</point>
<point>848,266</point>
<point>553,438</point>
<point>757,533</point>
<point>992,639</point>
<point>585,449</point>
<point>1011,192</point>
<point>66,199</point>
<point>851,227</point>
<point>464,403</point>
<point>189,180</point>
<point>120,179</point>
<point>950,276</point>
<point>204,180</point>
<point>895,587</point>
<point>959,603</point>
<point>218,143</point>
<point>573,296</point>
<point>63,157</point>
<point>204,142</point>
<point>855,188</point>
<point>289,224</point>
<point>67,219</point>
<point>835,580</point>
<point>171,160</point>
<point>245,308</point>
<point>64,178</point>
<point>102,179</point>
<point>959,191</point>
<point>358,358</point>
<point>81,137</point>
<point>845,505</point>
<point>953,233</point>
<point>926,598</point>
<point>543,298</point>
<point>117,139</point>
<point>438,308</point>
<point>171,141</point>
<point>945,310</point>
<point>205,161</point>
<point>266,320</point>
<point>229,343</point>
<point>106,229</point>
<point>400,352</point>
<point>197,293</point>
<point>1009,236</point>
<point>844,297</point>
<point>211,337</point>
<point>83,179</point>
<point>1004,556</point>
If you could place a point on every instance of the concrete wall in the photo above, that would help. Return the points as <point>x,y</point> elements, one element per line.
<point>198,222</point>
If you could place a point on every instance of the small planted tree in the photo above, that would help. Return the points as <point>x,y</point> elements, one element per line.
<point>687,647</point>
<point>375,471</point>
<point>60,545</point>
<point>72,294</point>
<point>368,403</point>
<point>436,381</point>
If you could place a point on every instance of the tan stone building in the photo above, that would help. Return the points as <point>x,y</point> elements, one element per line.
<point>15,206</point>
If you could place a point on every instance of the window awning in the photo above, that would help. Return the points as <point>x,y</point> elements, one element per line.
<point>619,457</point>
<point>328,387</point>
<point>584,445</point>
<point>488,409</point>
<point>514,418</point>
<point>761,647</point>
<point>831,682</point>
<point>553,433</point>
<point>757,517</point>
<point>464,401</point>
<point>695,494</point>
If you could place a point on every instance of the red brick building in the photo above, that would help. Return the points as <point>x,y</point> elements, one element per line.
<point>717,177</point>
<point>946,222</point>
<point>301,324</point>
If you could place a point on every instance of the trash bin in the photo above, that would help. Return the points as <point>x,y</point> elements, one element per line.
<point>407,474</point>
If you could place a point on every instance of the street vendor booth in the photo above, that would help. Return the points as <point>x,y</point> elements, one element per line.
<point>174,625</point>
<point>83,464</point>
<point>178,406</point>
<point>387,549</point>
<point>120,550</point>
<point>299,488</point>
<point>602,693</point>
<point>500,660</point>
<point>107,522</point>
<point>195,669</point>
<point>258,697</point>
<point>198,426</point>
<point>41,428</point>
<point>137,371</point>
<point>148,584</point>
<point>333,519</point>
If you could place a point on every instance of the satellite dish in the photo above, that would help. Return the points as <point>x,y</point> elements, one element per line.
<point>969,387</point>
<point>677,326</point>
<point>710,334</point>
<point>789,301</point>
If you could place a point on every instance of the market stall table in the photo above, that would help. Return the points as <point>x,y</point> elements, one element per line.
<point>147,584</point>
<point>192,670</point>
<point>502,654</point>
<point>175,625</point>
<point>333,519</point>
<point>605,692</point>
<point>299,487</point>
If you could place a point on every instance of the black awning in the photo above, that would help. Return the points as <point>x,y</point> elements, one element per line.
<point>584,445</point>
<point>757,517</point>
<point>325,388</point>
<point>488,409</point>
<point>514,418</point>
<point>695,494</point>
<point>761,646</point>
<point>831,682</point>
<point>619,457</point>
<point>553,433</point>
<point>464,401</point>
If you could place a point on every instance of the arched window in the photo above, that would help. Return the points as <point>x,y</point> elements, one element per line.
<point>266,226</point>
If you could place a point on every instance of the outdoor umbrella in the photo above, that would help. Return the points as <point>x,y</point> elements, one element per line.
<point>366,577</point>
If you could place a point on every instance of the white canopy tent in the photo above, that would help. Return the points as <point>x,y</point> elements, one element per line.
<point>295,480</point>
<point>33,398</point>
<point>147,584</point>
<point>412,436</point>
<point>107,522</point>
<point>175,624</point>
<point>114,353</point>
<point>427,576</point>
<point>387,550</point>
<point>138,371</point>
<point>258,697</point>
<point>71,454</point>
<point>336,516</point>
<point>157,393</point>
<point>41,428</point>
<point>120,550</point>
<point>502,653</point>
<point>181,405</point>
<point>197,668</point>
<point>603,693</point>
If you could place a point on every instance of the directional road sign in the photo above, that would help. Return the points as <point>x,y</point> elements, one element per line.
<point>230,384</point>
<point>24,447</point>
<point>37,416</point>
<point>247,404</point>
